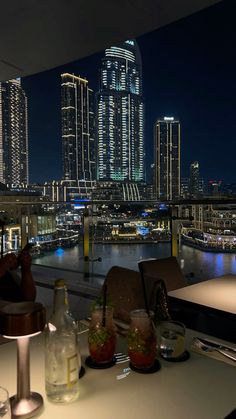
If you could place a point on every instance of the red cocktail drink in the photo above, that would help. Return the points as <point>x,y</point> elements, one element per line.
<point>102,345</point>
<point>141,340</point>
<point>102,338</point>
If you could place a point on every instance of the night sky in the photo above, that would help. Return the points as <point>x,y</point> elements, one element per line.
<point>189,71</point>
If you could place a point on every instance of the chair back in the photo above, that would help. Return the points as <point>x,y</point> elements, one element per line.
<point>124,291</point>
<point>166,269</point>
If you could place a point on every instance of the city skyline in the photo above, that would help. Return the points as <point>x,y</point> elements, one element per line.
<point>188,73</point>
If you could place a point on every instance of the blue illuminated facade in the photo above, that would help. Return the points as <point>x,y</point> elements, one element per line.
<point>120,115</point>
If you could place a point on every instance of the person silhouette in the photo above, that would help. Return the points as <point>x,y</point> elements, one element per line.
<point>13,287</point>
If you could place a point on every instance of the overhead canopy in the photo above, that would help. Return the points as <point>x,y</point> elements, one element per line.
<point>37,35</point>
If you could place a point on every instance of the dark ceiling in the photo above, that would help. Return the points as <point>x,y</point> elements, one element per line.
<point>37,35</point>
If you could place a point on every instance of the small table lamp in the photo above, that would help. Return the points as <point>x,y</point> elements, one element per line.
<point>21,321</point>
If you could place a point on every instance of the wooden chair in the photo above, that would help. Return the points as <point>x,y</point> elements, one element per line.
<point>166,269</point>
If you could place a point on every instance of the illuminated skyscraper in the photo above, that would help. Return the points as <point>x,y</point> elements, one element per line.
<point>167,158</point>
<point>194,181</point>
<point>77,112</point>
<point>13,133</point>
<point>120,115</point>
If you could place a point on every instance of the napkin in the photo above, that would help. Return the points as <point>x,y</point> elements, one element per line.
<point>212,354</point>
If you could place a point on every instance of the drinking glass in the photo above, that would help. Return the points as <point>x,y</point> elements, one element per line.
<point>172,339</point>
<point>5,410</point>
<point>141,340</point>
<point>102,335</point>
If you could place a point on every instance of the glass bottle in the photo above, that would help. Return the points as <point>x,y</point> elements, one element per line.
<point>142,345</point>
<point>102,335</point>
<point>61,352</point>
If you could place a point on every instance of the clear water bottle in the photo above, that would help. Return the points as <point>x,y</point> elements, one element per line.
<point>62,359</point>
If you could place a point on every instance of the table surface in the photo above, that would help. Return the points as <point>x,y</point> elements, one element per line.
<point>200,388</point>
<point>218,293</point>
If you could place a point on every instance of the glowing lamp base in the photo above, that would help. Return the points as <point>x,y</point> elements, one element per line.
<point>26,408</point>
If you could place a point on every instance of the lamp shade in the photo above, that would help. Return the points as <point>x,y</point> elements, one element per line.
<point>22,319</point>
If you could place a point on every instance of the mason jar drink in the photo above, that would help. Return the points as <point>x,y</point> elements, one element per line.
<point>141,340</point>
<point>102,335</point>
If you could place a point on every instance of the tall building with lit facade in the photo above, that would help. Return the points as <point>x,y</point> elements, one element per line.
<point>167,158</point>
<point>194,181</point>
<point>77,113</point>
<point>14,168</point>
<point>184,187</point>
<point>120,115</point>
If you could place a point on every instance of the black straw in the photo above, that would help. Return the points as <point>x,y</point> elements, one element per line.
<point>145,294</point>
<point>2,223</point>
<point>104,305</point>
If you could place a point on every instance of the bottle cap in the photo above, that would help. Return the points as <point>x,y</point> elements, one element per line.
<point>59,283</point>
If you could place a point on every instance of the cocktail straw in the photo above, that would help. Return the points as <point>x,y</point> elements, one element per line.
<point>104,305</point>
<point>145,294</point>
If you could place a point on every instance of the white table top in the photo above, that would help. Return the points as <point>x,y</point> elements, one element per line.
<point>200,388</point>
<point>218,293</point>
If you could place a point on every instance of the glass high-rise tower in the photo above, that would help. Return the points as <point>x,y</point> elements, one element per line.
<point>77,113</point>
<point>194,180</point>
<point>120,115</point>
<point>167,158</point>
<point>14,168</point>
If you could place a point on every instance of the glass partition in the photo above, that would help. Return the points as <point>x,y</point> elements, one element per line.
<point>125,155</point>
<point>91,238</point>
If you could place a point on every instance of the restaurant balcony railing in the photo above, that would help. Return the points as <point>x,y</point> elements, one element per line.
<point>85,239</point>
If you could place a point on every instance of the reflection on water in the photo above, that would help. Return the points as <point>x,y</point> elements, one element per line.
<point>204,265</point>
